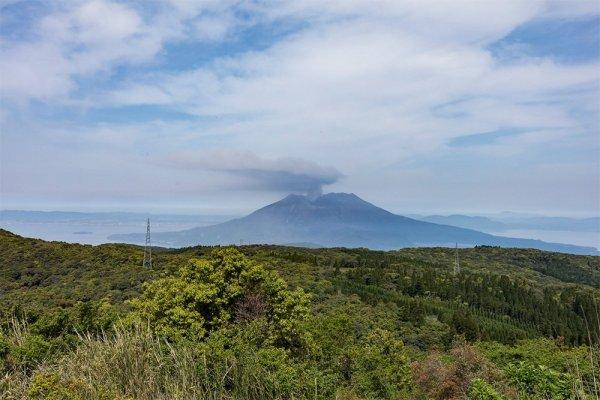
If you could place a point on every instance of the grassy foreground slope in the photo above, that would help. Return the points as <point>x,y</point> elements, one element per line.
<point>515,323</point>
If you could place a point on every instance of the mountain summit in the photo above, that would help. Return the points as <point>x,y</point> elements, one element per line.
<point>337,220</point>
<point>329,208</point>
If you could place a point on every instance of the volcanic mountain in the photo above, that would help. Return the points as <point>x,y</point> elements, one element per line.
<point>337,220</point>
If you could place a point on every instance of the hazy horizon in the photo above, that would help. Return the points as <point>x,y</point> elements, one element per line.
<point>97,227</point>
<point>193,210</point>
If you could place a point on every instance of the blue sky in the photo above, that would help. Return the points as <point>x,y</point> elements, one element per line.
<point>213,106</point>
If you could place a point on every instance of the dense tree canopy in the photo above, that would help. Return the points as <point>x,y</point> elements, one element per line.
<point>274,322</point>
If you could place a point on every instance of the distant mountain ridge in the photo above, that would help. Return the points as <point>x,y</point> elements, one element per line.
<point>70,216</point>
<point>337,220</point>
<point>466,221</point>
<point>508,221</point>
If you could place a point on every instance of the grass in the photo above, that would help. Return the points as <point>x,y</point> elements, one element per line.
<point>133,363</point>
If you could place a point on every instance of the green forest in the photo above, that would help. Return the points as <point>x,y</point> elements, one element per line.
<point>277,322</point>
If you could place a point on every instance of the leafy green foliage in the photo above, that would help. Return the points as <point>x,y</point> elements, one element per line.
<point>49,386</point>
<point>381,366</point>
<point>227,287</point>
<point>540,382</point>
<point>462,322</point>
<point>508,292</point>
<point>221,323</point>
<point>481,390</point>
<point>552,354</point>
<point>30,351</point>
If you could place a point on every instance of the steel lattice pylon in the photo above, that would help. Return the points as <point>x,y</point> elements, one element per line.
<point>148,247</point>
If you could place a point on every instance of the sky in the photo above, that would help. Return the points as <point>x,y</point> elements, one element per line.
<point>224,106</point>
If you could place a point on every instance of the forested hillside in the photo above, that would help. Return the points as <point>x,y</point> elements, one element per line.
<point>281,322</point>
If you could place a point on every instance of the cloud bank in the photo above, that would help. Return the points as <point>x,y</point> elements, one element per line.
<point>383,91</point>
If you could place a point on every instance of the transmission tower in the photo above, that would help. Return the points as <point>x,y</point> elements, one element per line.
<point>456,262</point>
<point>148,247</point>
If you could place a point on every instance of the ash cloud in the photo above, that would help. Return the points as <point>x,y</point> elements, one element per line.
<point>288,174</point>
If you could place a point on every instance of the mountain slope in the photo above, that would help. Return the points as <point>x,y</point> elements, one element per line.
<point>466,221</point>
<point>337,220</point>
<point>506,221</point>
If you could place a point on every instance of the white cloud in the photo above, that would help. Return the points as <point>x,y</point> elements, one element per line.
<point>398,90</point>
<point>362,85</point>
<point>93,23</point>
<point>571,9</point>
<point>37,70</point>
<point>83,38</point>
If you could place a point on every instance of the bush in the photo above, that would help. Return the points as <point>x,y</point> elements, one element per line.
<point>52,324</point>
<point>238,363</point>
<point>49,386</point>
<point>452,377</point>
<point>381,367</point>
<point>481,390</point>
<point>463,323</point>
<point>227,288</point>
<point>30,351</point>
<point>540,381</point>
<point>94,316</point>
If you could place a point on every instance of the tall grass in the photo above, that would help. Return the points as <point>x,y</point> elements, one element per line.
<point>133,363</point>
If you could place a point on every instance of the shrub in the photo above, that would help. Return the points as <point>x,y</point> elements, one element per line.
<point>380,366</point>
<point>94,316</point>
<point>49,386</point>
<point>443,378</point>
<point>541,382</point>
<point>463,323</point>
<point>31,350</point>
<point>481,390</point>
<point>226,288</point>
<point>238,363</point>
<point>52,324</point>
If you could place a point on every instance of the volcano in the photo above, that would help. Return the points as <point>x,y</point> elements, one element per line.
<point>337,220</point>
